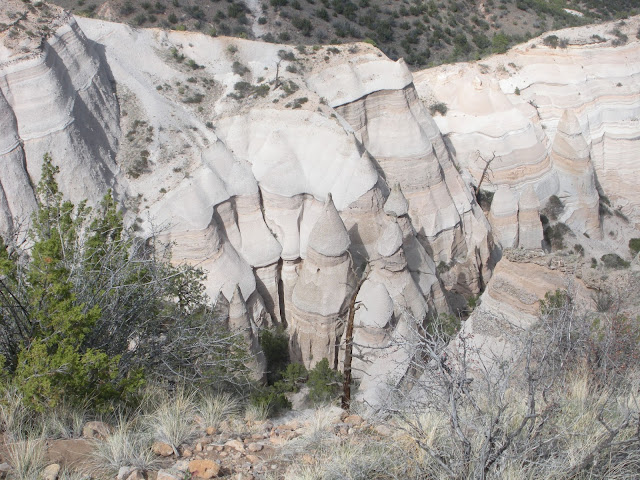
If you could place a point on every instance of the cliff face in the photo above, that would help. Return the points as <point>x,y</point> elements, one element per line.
<point>519,107</point>
<point>283,172</point>
<point>55,96</point>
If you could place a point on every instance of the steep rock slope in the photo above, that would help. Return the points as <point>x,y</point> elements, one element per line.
<point>246,167</point>
<point>285,172</point>
<point>512,107</point>
<point>55,96</point>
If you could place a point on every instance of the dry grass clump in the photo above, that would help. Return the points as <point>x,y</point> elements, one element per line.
<point>128,445</point>
<point>14,415</point>
<point>213,409</point>
<point>360,457</point>
<point>65,421</point>
<point>27,457</point>
<point>173,420</point>
<point>588,432</point>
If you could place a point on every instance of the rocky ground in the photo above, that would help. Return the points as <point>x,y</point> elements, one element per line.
<point>234,449</point>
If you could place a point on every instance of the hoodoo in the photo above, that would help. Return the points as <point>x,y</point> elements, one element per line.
<point>322,291</point>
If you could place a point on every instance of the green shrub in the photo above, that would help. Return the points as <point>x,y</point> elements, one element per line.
<point>275,345</point>
<point>87,288</point>
<point>634,246</point>
<point>554,208</point>
<point>239,69</point>
<point>551,41</point>
<point>613,260</point>
<point>554,235</point>
<point>438,107</point>
<point>271,400</point>
<point>324,383</point>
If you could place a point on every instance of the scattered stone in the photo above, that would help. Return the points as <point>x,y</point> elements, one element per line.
<point>136,475</point>
<point>204,469</point>
<point>253,458</point>
<point>278,440</point>
<point>383,430</point>
<point>236,445</point>
<point>169,475</point>
<point>199,447</point>
<point>4,469</point>
<point>244,476</point>
<point>353,420</point>
<point>186,453</point>
<point>98,430</point>
<point>162,449</point>
<point>51,472</point>
<point>255,447</point>
<point>308,459</point>
<point>211,430</point>
<point>124,472</point>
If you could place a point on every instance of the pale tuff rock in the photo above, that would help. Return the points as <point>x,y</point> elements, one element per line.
<point>530,234</point>
<point>512,302</point>
<point>597,81</point>
<point>329,236</point>
<point>56,97</point>
<point>240,321</point>
<point>398,132</point>
<point>389,284</point>
<point>367,73</point>
<point>390,240</point>
<point>250,189</point>
<point>396,204</point>
<point>322,292</point>
<point>577,188</point>
<point>504,217</point>
<point>419,262</point>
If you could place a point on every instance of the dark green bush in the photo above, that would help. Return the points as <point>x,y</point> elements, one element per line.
<point>438,107</point>
<point>87,287</point>
<point>324,383</point>
<point>275,345</point>
<point>554,235</point>
<point>634,246</point>
<point>551,41</point>
<point>272,400</point>
<point>613,260</point>
<point>554,208</point>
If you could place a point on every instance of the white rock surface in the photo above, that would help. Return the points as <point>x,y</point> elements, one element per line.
<point>281,198</point>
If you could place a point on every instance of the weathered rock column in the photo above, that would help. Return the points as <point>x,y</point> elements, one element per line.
<point>321,295</point>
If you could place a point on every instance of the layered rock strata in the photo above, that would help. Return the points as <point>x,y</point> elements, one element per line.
<point>322,292</point>
<point>56,96</point>
<point>576,178</point>
<point>511,106</point>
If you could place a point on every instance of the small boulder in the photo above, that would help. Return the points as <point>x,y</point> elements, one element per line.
<point>237,445</point>
<point>123,473</point>
<point>383,430</point>
<point>136,475</point>
<point>353,420</point>
<point>98,430</point>
<point>51,472</point>
<point>169,475</point>
<point>254,447</point>
<point>204,469</point>
<point>162,449</point>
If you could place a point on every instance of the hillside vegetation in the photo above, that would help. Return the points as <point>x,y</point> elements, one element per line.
<point>424,33</point>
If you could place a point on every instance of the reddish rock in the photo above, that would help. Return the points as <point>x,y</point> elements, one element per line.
<point>204,469</point>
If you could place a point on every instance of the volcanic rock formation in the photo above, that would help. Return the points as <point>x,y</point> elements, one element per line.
<point>287,175</point>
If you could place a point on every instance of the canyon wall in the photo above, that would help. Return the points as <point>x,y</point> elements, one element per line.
<point>293,175</point>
